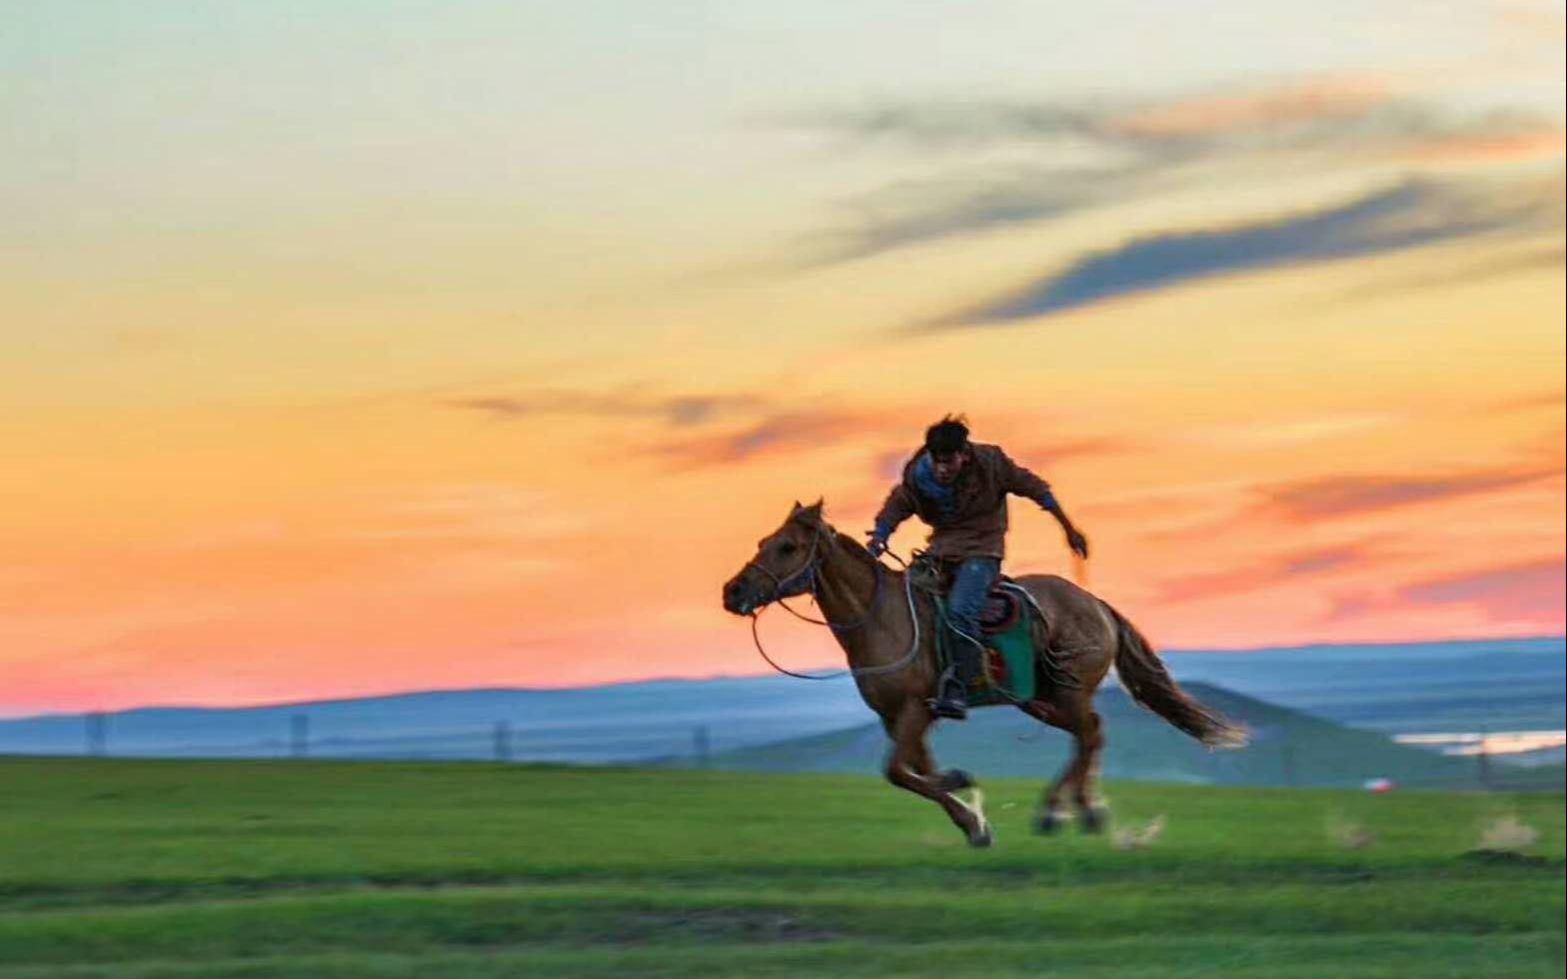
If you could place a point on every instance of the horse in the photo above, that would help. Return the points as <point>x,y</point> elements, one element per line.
<point>888,636</point>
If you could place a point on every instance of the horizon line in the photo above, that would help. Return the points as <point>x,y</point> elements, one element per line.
<point>711,677</point>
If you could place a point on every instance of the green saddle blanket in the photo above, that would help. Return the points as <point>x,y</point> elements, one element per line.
<point>1008,673</point>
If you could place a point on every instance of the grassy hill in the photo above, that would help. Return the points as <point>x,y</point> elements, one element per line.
<point>1287,748</point>
<point>331,870</point>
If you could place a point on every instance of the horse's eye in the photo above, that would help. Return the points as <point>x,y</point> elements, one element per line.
<point>786,548</point>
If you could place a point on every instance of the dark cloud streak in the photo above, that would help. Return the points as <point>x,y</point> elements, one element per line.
<point>1101,151</point>
<point>1406,216</point>
<point>678,410</point>
<point>780,433</point>
<point>915,212</point>
<point>1338,496</point>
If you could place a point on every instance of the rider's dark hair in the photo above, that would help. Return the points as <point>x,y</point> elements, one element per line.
<point>948,436</point>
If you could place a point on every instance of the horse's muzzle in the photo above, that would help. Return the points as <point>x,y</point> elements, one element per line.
<point>737,598</point>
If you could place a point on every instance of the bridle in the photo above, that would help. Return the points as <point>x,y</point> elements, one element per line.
<point>808,570</point>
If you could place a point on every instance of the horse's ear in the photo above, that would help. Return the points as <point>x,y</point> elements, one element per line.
<point>810,514</point>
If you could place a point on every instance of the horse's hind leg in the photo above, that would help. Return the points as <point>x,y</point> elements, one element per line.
<point>1090,742</point>
<point>909,766</point>
<point>1074,714</point>
<point>1050,814</point>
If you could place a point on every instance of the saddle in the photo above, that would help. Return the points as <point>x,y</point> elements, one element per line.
<point>1003,606</point>
<point>1011,671</point>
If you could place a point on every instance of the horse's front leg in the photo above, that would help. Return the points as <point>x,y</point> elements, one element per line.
<point>909,767</point>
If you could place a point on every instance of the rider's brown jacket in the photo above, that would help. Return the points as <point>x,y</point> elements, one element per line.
<point>975,524</point>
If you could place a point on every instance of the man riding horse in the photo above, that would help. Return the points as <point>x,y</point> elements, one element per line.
<point>960,489</point>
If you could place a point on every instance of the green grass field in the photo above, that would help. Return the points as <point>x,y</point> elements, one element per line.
<point>307,869</point>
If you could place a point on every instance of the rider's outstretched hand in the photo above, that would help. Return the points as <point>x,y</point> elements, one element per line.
<point>1077,542</point>
<point>876,545</point>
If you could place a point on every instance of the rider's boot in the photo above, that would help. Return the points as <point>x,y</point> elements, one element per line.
<point>951,700</point>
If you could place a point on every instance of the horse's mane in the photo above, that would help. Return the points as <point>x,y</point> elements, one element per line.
<point>854,546</point>
<point>815,517</point>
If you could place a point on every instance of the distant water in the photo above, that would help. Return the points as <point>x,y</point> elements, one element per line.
<point>1537,747</point>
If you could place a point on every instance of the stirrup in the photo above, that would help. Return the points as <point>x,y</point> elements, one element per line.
<point>949,701</point>
<point>951,710</point>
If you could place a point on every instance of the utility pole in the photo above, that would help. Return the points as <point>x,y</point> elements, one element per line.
<point>700,743</point>
<point>502,741</point>
<point>1483,759</point>
<point>97,734</point>
<point>299,735</point>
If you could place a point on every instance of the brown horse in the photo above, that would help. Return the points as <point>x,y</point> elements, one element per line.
<point>887,631</point>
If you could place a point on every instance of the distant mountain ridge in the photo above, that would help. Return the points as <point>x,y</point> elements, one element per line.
<point>1500,684</point>
<point>618,722</point>
<point>1504,684</point>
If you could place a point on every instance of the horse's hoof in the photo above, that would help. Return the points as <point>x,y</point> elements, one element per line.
<point>982,837</point>
<point>955,780</point>
<point>1096,819</point>
<point>1046,823</point>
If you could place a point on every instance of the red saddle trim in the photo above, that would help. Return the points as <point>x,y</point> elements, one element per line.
<point>1001,611</point>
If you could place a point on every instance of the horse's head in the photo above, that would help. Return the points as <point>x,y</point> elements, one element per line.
<point>785,563</point>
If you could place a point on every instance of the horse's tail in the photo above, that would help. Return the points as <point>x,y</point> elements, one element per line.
<point>1145,678</point>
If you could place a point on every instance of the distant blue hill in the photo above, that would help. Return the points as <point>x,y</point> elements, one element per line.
<point>1287,748</point>
<point>1501,685</point>
<point>619,722</point>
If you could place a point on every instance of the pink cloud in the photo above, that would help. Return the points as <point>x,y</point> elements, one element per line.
<point>1528,594</point>
<point>1532,590</point>
<point>1288,567</point>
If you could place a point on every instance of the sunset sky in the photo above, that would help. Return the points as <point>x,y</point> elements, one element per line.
<point>357,347</point>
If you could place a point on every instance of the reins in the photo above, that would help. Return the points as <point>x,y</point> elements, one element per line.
<point>809,568</point>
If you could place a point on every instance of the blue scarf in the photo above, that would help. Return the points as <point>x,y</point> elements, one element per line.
<point>945,498</point>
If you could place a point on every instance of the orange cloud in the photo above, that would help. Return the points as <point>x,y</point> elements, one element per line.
<point>1304,101</point>
<point>1530,143</point>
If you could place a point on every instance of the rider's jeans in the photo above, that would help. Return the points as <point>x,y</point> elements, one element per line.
<point>970,585</point>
